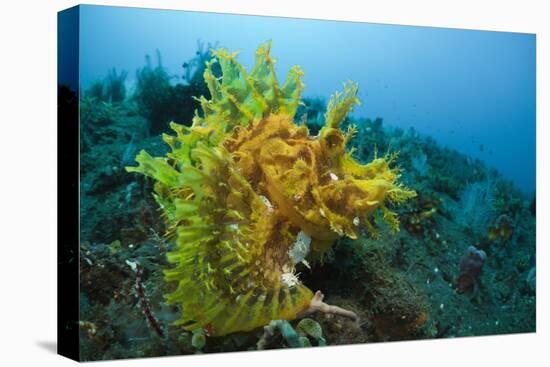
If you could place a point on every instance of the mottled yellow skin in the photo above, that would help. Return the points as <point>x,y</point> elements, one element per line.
<point>243,181</point>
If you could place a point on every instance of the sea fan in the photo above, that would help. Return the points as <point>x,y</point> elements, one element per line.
<point>476,206</point>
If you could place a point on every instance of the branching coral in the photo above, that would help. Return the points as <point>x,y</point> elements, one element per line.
<point>317,305</point>
<point>244,181</point>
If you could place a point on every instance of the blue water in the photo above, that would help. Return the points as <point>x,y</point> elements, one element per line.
<point>473,91</point>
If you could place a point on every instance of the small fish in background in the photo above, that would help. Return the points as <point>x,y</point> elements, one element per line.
<point>129,152</point>
<point>481,147</point>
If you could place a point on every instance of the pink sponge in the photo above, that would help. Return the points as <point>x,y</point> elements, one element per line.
<point>470,267</point>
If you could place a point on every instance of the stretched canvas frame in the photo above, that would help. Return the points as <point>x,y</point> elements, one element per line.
<point>407,235</point>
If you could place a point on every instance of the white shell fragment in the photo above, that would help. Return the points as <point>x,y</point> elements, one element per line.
<point>356,221</point>
<point>267,203</point>
<point>333,177</point>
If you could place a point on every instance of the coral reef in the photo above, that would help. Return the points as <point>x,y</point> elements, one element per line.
<point>161,100</point>
<point>399,310</point>
<point>112,90</point>
<point>194,68</point>
<point>420,164</point>
<point>293,338</point>
<point>290,336</point>
<point>502,229</point>
<point>116,88</point>
<point>420,219</point>
<point>243,181</point>
<point>400,286</point>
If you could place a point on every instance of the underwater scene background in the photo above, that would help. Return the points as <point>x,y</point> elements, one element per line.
<point>412,212</point>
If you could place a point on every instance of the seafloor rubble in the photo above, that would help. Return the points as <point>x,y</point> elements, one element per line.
<point>463,263</point>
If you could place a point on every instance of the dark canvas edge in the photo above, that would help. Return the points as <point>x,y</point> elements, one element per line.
<point>68,182</point>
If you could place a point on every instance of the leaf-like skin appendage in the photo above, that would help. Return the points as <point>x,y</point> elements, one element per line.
<point>240,184</point>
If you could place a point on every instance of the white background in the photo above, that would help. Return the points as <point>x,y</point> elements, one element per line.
<point>28,183</point>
